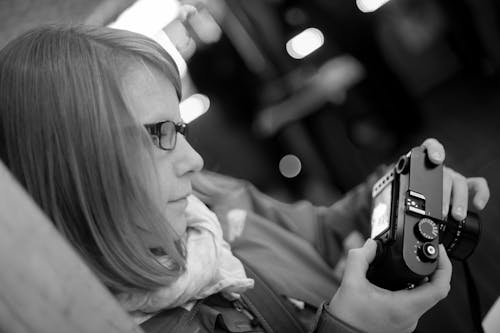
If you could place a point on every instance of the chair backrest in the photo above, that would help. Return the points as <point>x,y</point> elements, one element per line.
<point>44,285</point>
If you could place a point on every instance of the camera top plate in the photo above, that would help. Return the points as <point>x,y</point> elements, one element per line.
<point>425,187</point>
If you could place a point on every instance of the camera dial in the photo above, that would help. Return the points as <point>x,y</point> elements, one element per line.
<point>428,252</point>
<point>426,229</point>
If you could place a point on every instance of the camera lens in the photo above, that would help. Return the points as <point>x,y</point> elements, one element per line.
<point>460,238</point>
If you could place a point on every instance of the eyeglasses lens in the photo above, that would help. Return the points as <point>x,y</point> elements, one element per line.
<point>168,135</point>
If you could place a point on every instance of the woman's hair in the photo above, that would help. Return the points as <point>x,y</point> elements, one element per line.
<point>68,136</point>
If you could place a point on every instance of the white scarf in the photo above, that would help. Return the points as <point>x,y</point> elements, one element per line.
<point>210,268</point>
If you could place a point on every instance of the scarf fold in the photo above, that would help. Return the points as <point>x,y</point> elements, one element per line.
<point>210,268</point>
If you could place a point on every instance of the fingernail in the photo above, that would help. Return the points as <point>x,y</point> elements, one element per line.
<point>459,211</point>
<point>480,204</point>
<point>437,156</point>
<point>446,210</point>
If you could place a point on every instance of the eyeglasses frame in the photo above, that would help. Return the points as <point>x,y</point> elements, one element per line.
<point>155,129</point>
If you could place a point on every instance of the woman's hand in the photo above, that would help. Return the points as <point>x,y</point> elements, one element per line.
<point>461,192</point>
<point>372,309</point>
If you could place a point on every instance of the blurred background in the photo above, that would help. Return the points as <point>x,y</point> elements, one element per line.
<point>305,98</point>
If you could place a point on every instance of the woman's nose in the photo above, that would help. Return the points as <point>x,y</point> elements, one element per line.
<point>189,159</point>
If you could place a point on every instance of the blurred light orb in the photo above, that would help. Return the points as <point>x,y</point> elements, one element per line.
<point>305,43</point>
<point>368,6</point>
<point>147,17</point>
<point>193,107</point>
<point>290,166</point>
<point>162,39</point>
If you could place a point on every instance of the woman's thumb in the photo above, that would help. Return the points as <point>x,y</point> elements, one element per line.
<point>358,260</point>
<point>370,248</point>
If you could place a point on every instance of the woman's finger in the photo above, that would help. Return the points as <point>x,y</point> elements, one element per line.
<point>358,260</point>
<point>435,150</point>
<point>447,183</point>
<point>460,197</point>
<point>478,191</point>
<point>425,296</point>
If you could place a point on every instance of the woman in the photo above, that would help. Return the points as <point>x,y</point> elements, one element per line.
<point>91,127</point>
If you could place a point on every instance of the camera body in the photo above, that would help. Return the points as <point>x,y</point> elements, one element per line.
<point>408,225</point>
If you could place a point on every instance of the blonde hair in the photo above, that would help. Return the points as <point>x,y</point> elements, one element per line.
<point>70,139</point>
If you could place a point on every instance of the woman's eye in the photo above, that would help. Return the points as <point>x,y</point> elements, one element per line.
<point>156,139</point>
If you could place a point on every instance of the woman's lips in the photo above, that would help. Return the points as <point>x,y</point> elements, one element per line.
<point>179,202</point>
<point>175,212</point>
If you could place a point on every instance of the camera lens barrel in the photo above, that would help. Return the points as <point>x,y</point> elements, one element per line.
<point>460,238</point>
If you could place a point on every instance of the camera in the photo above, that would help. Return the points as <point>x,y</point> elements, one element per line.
<point>407,224</point>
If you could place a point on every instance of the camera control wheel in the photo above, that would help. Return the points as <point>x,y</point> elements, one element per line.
<point>428,252</point>
<point>426,229</point>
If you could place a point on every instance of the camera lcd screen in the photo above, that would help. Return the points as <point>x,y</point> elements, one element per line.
<point>381,213</point>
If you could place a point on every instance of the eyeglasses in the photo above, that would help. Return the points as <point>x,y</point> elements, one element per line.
<point>164,134</point>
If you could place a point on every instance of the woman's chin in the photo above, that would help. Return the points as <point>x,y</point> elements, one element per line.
<point>175,213</point>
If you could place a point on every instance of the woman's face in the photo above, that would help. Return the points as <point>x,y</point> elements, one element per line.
<point>152,99</point>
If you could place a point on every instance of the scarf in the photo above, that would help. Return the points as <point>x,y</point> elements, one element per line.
<point>210,268</point>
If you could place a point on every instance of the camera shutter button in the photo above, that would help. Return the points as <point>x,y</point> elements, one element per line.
<point>428,252</point>
<point>427,229</point>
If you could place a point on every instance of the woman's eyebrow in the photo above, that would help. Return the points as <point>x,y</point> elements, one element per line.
<point>153,123</point>
<point>156,120</point>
